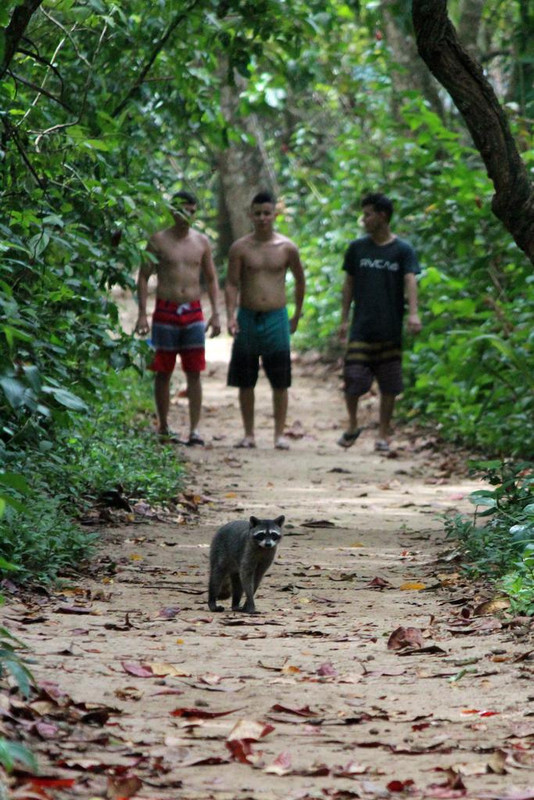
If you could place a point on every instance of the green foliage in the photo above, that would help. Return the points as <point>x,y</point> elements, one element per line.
<point>111,447</point>
<point>42,541</point>
<point>499,541</point>
<point>12,663</point>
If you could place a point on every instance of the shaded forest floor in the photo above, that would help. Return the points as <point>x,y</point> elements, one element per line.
<point>147,694</point>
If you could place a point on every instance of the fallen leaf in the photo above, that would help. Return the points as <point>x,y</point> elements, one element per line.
<point>492,606</point>
<point>281,765</point>
<point>119,787</point>
<point>412,586</point>
<point>139,670</point>
<point>305,711</point>
<point>405,637</point>
<point>198,713</point>
<point>327,670</point>
<point>248,730</point>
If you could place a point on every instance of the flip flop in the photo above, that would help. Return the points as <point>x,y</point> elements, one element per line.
<point>381,446</point>
<point>195,440</point>
<point>346,440</point>
<point>281,443</point>
<point>170,437</point>
<point>245,444</point>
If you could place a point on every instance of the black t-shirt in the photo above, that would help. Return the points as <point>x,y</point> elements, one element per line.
<point>378,272</point>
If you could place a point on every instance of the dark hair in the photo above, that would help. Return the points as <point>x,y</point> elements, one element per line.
<point>185,197</point>
<point>264,197</point>
<point>380,202</point>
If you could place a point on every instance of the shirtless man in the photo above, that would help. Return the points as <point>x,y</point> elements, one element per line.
<point>257,274</point>
<point>179,256</point>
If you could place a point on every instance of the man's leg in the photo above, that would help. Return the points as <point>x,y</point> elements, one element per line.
<point>280,401</point>
<point>194,396</point>
<point>246,404</point>
<point>162,395</point>
<point>385,415</point>
<point>351,401</point>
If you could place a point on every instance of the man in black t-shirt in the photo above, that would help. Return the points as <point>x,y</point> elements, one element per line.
<point>380,274</point>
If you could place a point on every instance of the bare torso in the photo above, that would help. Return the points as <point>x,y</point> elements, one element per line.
<point>179,264</point>
<point>263,266</point>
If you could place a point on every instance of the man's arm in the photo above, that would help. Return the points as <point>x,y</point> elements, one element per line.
<point>141,326</point>
<point>212,287</point>
<point>295,265</point>
<point>231,292</point>
<point>410,287</point>
<point>346,302</point>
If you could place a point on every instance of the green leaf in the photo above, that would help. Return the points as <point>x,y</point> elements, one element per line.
<point>12,753</point>
<point>65,398</point>
<point>15,481</point>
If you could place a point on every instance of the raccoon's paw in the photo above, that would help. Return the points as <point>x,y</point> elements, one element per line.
<point>249,609</point>
<point>214,607</point>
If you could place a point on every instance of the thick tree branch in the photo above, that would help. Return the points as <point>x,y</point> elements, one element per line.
<point>463,78</point>
<point>15,30</point>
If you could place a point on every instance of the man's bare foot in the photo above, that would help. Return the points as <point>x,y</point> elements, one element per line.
<point>281,443</point>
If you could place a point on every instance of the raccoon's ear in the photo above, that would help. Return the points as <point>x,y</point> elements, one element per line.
<point>253,522</point>
<point>280,521</point>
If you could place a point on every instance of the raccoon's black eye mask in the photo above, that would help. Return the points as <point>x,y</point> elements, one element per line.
<point>261,535</point>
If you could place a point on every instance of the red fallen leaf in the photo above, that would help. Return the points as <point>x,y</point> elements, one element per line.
<point>208,761</point>
<point>139,670</point>
<point>240,750</point>
<point>199,713</point>
<point>305,711</point>
<point>399,786</point>
<point>405,637</point>
<point>318,523</point>
<point>379,583</point>
<point>52,783</point>
<point>327,670</point>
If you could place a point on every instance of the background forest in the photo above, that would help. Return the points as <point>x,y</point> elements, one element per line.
<point>106,108</point>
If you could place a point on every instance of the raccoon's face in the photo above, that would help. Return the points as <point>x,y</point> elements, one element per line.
<point>266,532</point>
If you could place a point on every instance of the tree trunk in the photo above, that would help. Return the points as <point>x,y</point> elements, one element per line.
<point>411,74</point>
<point>244,169</point>
<point>15,31</point>
<point>463,78</point>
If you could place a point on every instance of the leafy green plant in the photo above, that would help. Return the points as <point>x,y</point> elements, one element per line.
<point>12,753</point>
<point>111,447</point>
<point>498,542</point>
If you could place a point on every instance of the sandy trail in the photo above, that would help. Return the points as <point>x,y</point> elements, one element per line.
<point>304,700</point>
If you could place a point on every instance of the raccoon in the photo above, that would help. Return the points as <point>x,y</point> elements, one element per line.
<point>241,553</point>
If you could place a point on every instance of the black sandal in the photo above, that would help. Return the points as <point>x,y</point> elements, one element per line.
<point>195,440</point>
<point>347,439</point>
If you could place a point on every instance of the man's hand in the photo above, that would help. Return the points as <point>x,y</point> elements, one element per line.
<point>343,331</point>
<point>414,323</point>
<point>233,327</point>
<point>293,324</point>
<point>141,326</point>
<point>214,324</point>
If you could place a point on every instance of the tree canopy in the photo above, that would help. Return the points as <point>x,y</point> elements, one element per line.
<point>106,109</point>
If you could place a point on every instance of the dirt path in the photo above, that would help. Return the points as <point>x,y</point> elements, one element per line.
<point>150,695</point>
